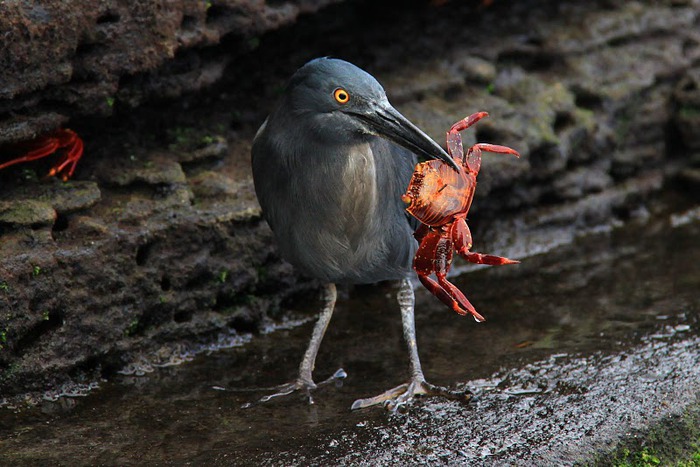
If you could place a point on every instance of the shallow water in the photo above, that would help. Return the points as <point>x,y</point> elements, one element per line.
<point>602,295</point>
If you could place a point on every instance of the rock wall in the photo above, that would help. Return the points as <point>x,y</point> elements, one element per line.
<point>62,59</point>
<point>158,240</point>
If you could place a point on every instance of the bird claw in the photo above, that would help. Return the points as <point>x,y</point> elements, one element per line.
<point>398,398</point>
<point>301,384</point>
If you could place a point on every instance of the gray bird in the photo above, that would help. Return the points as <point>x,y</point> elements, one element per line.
<point>330,164</point>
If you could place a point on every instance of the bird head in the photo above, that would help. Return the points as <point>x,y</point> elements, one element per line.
<point>341,100</point>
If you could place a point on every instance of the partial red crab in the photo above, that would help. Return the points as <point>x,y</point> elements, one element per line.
<point>440,198</point>
<point>48,144</point>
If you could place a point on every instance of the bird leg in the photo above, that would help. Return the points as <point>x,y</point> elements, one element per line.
<point>304,381</point>
<point>397,398</point>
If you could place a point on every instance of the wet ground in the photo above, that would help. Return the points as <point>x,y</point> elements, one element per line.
<point>599,97</point>
<point>583,347</point>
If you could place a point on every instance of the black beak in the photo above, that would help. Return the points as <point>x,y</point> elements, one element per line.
<point>389,123</point>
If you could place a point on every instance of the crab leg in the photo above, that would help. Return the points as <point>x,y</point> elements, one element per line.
<point>458,298</point>
<point>454,139</point>
<point>453,297</point>
<point>49,147</point>
<point>472,158</point>
<point>434,256</point>
<point>462,238</point>
<point>488,147</point>
<point>70,159</point>
<point>467,122</point>
<point>491,260</point>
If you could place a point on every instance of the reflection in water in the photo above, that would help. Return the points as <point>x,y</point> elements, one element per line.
<point>603,293</point>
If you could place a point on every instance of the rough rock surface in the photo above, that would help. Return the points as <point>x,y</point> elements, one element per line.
<point>62,59</point>
<point>526,427</point>
<point>159,239</point>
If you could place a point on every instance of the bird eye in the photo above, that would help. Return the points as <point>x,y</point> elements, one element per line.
<point>341,96</point>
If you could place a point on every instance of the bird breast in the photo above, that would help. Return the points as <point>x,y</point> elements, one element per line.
<point>355,245</point>
<point>359,197</point>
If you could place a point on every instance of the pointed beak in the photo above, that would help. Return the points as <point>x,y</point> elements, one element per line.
<point>387,122</point>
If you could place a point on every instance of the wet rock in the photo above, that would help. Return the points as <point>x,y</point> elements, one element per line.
<point>691,178</point>
<point>63,197</point>
<point>550,427</point>
<point>89,227</point>
<point>212,184</point>
<point>579,182</point>
<point>155,171</point>
<point>428,78</point>
<point>475,69</point>
<point>687,116</point>
<point>23,128</point>
<point>538,230</point>
<point>26,213</point>
<point>65,60</point>
<point>215,147</point>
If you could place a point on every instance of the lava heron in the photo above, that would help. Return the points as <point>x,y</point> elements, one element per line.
<point>330,164</point>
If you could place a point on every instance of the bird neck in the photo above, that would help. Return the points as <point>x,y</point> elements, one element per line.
<point>306,140</point>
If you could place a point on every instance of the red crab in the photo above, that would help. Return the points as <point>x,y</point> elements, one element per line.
<point>48,144</point>
<point>440,198</point>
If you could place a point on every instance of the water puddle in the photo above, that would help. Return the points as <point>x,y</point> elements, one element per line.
<point>604,294</point>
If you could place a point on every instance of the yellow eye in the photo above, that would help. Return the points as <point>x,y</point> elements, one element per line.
<point>341,96</point>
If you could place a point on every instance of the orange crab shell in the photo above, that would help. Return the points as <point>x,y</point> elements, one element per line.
<point>437,192</point>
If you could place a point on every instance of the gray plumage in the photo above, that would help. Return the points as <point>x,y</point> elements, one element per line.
<point>329,187</point>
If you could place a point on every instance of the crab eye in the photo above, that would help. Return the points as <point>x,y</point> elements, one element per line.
<point>341,96</point>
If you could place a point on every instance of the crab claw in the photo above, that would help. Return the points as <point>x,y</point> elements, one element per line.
<point>435,256</point>
<point>451,296</point>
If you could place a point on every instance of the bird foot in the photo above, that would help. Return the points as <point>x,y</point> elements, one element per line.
<point>305,385</point>
<point>398,398</point>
